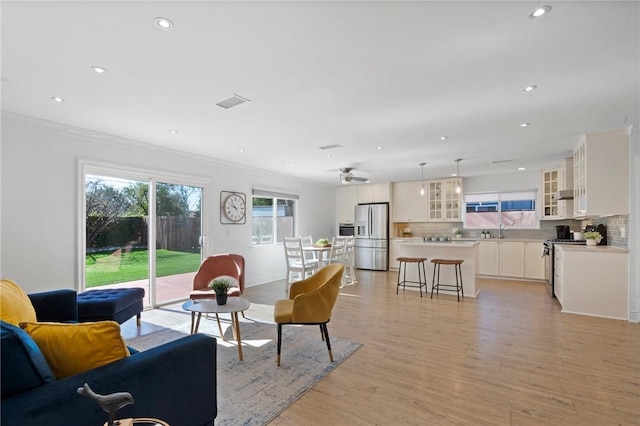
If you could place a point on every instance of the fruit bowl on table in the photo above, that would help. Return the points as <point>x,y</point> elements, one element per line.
<point>322,242</point>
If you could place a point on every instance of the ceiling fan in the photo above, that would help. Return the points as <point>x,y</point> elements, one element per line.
<point>347,177</point>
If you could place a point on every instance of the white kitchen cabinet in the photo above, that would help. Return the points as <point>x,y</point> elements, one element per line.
<point>394,253</point>
<point>554,180</point>
<point>511,259</point>
<point>550,185</point>
<point>488,258</point>
<point>374,193</point>
<point>592,280</point>
<point>558,275</point>
<point>533,261</point>
<point>408,205</point>
<point>443,202</point>
<point>601,175</point>
<point>346,200</point>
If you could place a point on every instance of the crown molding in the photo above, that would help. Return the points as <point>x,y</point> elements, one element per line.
<point>105,138</point>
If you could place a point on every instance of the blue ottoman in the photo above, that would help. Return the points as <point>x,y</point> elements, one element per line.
<point>115,304</point>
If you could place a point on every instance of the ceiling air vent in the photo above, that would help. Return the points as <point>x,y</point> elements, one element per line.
<point>335,145</point>
<point>231,101</point>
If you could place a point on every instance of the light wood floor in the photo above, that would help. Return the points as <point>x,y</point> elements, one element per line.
<point>507,357</point>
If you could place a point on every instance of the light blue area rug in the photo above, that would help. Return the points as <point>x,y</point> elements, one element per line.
<point>255,391</point>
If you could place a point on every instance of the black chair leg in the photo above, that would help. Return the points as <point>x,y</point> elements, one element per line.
<point>279,342</point>
<point>321,332</point>
<point>326,335</point>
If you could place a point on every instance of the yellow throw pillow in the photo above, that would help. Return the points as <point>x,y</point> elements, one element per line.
<point>74,348</point>
<point>15,305</point>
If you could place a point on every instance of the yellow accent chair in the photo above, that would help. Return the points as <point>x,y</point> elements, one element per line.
<point>310,302</point>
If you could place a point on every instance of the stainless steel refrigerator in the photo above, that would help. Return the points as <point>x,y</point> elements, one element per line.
<point>372,236</point>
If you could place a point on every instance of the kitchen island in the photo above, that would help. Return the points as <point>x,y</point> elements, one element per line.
<point>464,250</point>
<point>592,280</point>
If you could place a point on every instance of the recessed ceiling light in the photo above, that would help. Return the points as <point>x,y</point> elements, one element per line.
<point>99,70</point>
<point>379,148</point>
<point>442,138</point>
<point>541,11</point>
<point>328,155</point>
<point>57,99</point>
<point>173,132</point>
<point>525,125</point>
<point>164,23</point>
<point>241,150</point>
<point>522,168</point>
<point>530,88</point>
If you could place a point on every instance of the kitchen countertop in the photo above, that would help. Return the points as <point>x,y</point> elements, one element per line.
<point>480,240</point>
<point>593,249</point>
<point>452,243</point>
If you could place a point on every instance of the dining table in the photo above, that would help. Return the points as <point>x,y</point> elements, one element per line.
<point>319,251</point>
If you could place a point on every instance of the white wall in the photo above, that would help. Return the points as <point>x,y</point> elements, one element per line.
<point>39,179</point>
<point>634,223</point>
<point>503,182</point>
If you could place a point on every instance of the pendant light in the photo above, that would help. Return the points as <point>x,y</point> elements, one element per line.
<point>458,187</point>
<point>422,180</point>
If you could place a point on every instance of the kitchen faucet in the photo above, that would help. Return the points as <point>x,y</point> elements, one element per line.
<point>501,228</point>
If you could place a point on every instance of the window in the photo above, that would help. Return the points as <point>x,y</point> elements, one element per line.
<point>511,209</point>
<point>273,216</point>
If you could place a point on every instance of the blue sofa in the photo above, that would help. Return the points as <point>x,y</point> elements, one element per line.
<point>175,382</point>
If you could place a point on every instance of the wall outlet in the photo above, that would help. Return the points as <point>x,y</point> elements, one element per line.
<point>623,232</point>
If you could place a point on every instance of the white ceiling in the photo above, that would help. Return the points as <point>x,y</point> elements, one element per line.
<point>393,74</point>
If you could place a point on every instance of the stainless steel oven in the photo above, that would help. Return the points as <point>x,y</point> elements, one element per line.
<point>346,229</point>
<point>549,257</point>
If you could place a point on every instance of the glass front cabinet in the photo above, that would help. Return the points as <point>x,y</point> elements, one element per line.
<point>444,202</point>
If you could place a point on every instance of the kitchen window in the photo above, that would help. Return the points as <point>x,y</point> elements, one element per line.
<point>273,217</point>
<point>510,209</point>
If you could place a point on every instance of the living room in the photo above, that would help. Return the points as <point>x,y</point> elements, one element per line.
<point>44,158</point>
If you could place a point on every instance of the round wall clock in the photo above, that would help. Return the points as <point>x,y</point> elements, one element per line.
<point>234,207</point>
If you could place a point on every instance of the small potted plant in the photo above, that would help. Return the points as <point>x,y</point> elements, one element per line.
<point>220,286</point>
<point>458,233</point>
<point>593,238</point>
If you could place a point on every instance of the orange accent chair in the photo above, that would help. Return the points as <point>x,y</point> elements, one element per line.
<point>310,302</point>
<point>218,265</point>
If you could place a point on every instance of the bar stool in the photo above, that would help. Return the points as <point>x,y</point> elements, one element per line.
<point>422,274</point>
<point>456,266</point>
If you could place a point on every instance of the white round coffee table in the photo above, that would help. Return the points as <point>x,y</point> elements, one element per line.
<point>210,306</point>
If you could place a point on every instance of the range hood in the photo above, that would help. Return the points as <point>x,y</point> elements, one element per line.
<point>567,194</point>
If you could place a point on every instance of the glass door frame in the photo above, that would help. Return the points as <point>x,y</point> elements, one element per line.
<point>152,177</point>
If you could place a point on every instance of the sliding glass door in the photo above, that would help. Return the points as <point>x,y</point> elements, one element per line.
<point>178,231</point>
<point>122,215</point>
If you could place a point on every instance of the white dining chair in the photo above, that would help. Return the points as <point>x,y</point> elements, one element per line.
<point>307,241</point>
<point>349,261</point>
<point>336,255</point>
<point>297,266</point>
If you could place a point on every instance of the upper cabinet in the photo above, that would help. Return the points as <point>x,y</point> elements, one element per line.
<point>440,202</point>
<point>346,200</point>
<point>374,193</point>
<point>348,196</point>
<point>601,175</point>
<point>553,181</point>
<point>407,203</point>
<point>444,202</point>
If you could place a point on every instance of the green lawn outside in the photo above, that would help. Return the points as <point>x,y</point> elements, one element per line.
<point>116,268</point>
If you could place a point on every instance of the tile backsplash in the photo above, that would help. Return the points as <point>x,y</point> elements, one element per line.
<point>421,229</point>
<point>547,229</point>
<point>614,225</point>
